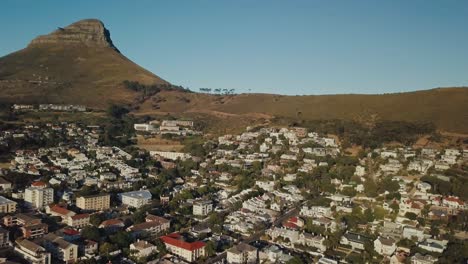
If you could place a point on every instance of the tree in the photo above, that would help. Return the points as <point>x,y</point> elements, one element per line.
<point>295,260</point>
<point>117,111</point>
<point>210,248</point>
<point>96,219</point>
<point>107,248</point>
<point>411,216</point>
<point>121,239</point>
<point>91,233</point>
<point>395,207</point>
<point>379,213</point>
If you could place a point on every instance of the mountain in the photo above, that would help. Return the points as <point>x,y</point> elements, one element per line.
<point>79,64</point>
<point>76,64</point>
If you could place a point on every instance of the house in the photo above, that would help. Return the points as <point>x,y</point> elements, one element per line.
<point>136,199</point>
<point>315,211</point>
<point>202,207</point>
<point>4,185</point>
<point>32,252</point>
<point>189,251</point>
<point>143,248</point>
<point>454,203</point>
<point>61,249</point>
<point>153,226</point>
<point>412,232</point>
<point>112,225</point>
<point>56,210</point>
<point>423,259</point>
<point>7,205</point>
<point>274,254</point>
<point>433,245</point>
<point>143,127</point>
<point>310,240</point>
<point>268,186</point>
<point>90,247</point>
<point>94,202</point>
<point>385,246</point>
<point>242,254</point>
<point>294,223</point>
<point>288,235</point>
<point>355,240</point>
<point>78,221</point>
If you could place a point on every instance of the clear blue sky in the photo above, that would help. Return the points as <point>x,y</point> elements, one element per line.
<point>288,47</point>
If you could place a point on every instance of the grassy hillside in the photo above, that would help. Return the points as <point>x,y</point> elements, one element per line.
<point>69,74</point>
<point>446,108</point>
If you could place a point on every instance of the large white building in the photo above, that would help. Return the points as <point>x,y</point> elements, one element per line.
<point>170,155</point>
<point>136,199</point>
<point>189,251</point>
<point>39,195</point>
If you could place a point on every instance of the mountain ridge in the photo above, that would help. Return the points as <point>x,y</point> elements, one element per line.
<point>79,64</point>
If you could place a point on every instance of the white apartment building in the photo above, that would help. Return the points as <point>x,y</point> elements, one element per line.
<point>202,208</point>
<point>170,155</point>
<point>39,195</point>
<point>136,199</point>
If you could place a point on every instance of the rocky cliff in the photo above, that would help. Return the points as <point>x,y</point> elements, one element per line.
<point>90,32</point>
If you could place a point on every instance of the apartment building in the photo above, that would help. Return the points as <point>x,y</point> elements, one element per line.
<point>38,195</point>
<point>136,199</point>
<point>94,202</point>
<point>32,252</point>
<point>189,251</point>
<point>7,205</point>
<point>61,249</point>
<point>202,208</point>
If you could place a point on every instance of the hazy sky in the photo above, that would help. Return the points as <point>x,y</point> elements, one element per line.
<point>288,47</point>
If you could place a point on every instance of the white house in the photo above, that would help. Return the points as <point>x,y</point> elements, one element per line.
<point>143,248</point>
<point>385,246</point>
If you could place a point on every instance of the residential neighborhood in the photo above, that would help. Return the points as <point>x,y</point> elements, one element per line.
<point>266,195</point>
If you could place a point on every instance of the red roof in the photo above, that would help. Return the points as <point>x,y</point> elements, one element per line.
<point>80,216</point>
<point>454,199</point>
<point>60,210</point>
<point>112,222</point>
<point>38,183</point>
<point>290,225</point>
<point>71,232</point>
<point>175,239</point>
<point>293,220</point>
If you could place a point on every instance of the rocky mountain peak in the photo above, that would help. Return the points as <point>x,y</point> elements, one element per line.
<point>89,32</point>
